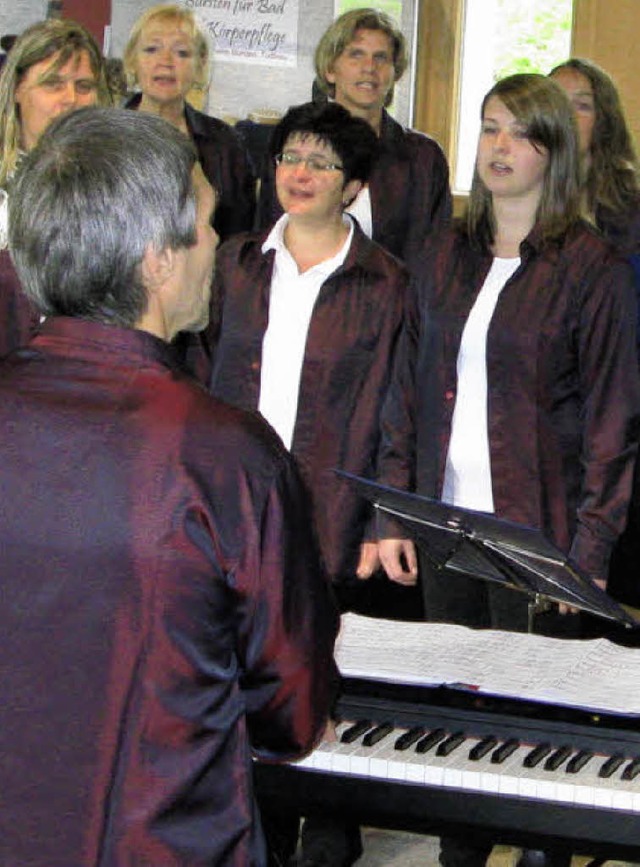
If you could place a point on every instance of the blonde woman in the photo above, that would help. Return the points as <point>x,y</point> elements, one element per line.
<point>166,56</point>
<point>54,67</point>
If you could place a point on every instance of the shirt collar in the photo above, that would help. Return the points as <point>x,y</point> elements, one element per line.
<point>275,241</point>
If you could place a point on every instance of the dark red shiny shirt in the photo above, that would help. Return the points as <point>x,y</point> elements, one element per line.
<point>563,391</point>
<point>163,616</point>
<point>351,339</point>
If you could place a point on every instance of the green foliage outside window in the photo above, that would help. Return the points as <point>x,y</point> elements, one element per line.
<point>532,35</point>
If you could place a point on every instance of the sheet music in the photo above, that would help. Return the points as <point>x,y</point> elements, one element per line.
<point>596,675</point>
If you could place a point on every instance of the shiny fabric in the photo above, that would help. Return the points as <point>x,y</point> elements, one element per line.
<point>350,343</point>
<point>621,229</point>
<point>563,392</point>
<point>225,163</point>
<point>409,188</point>
<point>162,613</point>
<point>18,318</point>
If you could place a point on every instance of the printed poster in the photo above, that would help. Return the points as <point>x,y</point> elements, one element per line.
<point>250,31</point>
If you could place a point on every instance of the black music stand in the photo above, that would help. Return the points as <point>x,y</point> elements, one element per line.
<point>482,546</point>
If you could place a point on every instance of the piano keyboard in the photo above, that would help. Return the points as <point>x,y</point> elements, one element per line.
<point>527,774</point>
<point>507,767</point>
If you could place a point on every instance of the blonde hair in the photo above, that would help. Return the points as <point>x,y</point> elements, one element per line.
<point>40,42</point>
<point>187,22</point>
<point>343,31</point>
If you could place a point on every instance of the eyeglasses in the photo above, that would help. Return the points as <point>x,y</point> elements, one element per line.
<point>313,164</point>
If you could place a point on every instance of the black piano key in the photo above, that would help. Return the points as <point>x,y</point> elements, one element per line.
<point>409,738</point>
<point>482,748</point>
<point>557,758</point>
<point>502,753</point>
<point>451,743</point>
<point>632,769</point>
<point>536,755</point>
<point>611,765</point>
<point>352,734</point>
<point>578,762</point>
<point>377,734</point>
<point>430,740</point>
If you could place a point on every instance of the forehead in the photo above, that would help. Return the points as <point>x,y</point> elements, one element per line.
<point>308,143</point>
<point>79,63</point>
<point>165,28</point>
<point>377,40</point>
<point>572,81</point>
<point>497,110</point>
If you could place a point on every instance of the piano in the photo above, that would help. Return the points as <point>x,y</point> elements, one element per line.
<point>441,760</point>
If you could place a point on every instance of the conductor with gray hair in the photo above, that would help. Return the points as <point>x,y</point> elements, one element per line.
<point>164,618</point>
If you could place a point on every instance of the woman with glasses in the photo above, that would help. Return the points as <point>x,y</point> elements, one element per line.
<point>166,56</point>
<point>310,315</point>
<point>358,61</point>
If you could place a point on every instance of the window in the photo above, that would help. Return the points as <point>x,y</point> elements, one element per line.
<point>499,38</point>
<point>463,46</point>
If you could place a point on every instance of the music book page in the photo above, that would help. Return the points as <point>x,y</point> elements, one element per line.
<point>595,675</point>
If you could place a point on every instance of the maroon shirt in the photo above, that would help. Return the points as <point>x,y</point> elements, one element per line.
<point>409,189</point>
<point>162,609</point>
<point>18,318</point>
<point>563,392</point>
<point>352,336</point>
<point>226,165</point>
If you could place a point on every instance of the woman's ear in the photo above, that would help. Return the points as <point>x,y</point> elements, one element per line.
<point>350,191</point>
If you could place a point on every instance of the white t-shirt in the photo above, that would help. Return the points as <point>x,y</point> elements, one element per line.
<point>467,478</point>
<point>360,208</point>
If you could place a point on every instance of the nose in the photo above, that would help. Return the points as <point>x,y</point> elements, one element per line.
<point>166,56</point>
<point>502,140</point>
<point>301,167</point>
<point>68,95</point>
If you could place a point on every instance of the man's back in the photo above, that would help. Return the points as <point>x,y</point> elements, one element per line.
<point>155,615</point>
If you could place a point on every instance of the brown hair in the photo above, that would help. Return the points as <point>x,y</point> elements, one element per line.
<point>611,178</point>
<point>541,106</point>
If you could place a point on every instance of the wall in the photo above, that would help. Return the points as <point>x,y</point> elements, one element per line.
<point>608,32</point>
<point>236,89</point>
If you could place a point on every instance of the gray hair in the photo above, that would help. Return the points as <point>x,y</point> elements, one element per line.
<point>96,191</point>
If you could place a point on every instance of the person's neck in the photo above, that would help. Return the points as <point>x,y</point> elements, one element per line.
<point>514,220</point>
<point>373,116</point>
<point>173,111</point>
<point>311,243</point>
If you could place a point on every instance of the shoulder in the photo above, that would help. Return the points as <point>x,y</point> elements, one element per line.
<point>212,128</point>
<point>376,260</point>
<point>241,248</point>
<point>445,243</point>
<point>225,439</point>
<point>410,142</point>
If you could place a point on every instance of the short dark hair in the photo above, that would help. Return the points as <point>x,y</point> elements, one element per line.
<point>352,138</point>
<point>94,193</point>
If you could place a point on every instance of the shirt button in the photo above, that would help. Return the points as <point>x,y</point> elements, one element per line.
<point>449,394</point>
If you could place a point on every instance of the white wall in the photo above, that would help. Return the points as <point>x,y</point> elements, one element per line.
<point>236,89</point>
